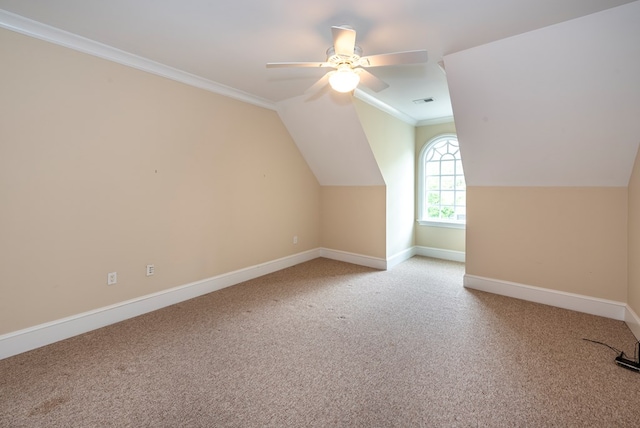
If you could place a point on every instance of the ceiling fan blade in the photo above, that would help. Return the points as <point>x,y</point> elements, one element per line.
<point>320,83</point>
<point>371,81</point>
<point>344,40</point>
<point>396,58</point>
<point>297,64</point>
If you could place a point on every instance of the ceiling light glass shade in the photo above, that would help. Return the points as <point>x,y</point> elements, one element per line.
<point>344,79</point>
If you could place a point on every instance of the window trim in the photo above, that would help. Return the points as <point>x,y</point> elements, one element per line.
<point>454,224</point>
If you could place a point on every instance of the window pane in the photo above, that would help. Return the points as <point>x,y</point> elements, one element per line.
<point>460,184</point>
<point>433,212</point>
<point>448,167</point>
<point>459,167</point>
<point>447,212</point>
<point>433,168</point>
<point>448,183</point>
<point>461,198</point>
<point>433,183</point>
<point>447,198</point>
<point>433,198</point>
<point>440,148</point>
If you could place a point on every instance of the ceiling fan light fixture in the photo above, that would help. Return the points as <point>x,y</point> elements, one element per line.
<point>350,67</point>
<point>344,79</point>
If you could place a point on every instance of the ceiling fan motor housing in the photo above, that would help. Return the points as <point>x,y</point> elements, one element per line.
<point>338,59</point>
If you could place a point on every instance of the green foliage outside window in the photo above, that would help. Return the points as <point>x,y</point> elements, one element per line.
<point>434,210</point>
<point>443,190</point>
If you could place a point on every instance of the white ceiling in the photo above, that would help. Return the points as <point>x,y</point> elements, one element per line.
<point>229,42</point>
<point>558,106</point>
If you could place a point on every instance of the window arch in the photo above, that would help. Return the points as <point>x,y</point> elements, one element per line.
<point>442,190</point>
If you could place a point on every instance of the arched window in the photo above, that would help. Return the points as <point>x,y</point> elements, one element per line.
<point>442,191</point>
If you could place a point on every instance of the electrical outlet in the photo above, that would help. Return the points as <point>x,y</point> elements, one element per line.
<point>295,239</point>
<point>112,278</point>
<point>150,270</point>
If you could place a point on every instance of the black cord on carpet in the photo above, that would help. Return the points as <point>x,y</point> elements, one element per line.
<point>619,352</point>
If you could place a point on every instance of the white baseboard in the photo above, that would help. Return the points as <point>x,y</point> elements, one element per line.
<point>44,334</point>
<point>356,259</point>
<point>439,253</point>
<point>396,259</point>
<point>633,321</point>
<point>400,257</point>
<point>560,299</point>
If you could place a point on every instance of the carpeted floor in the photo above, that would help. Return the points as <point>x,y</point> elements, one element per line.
<point>329,344</point>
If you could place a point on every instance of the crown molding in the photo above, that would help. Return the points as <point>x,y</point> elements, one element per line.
<point>436,121</point>
<point>369,99</point>
<point>41,31</point>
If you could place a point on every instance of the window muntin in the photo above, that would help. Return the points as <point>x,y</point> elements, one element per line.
<point>442,188</point>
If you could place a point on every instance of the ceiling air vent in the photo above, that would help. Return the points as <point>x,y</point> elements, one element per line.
<point>423,100</point>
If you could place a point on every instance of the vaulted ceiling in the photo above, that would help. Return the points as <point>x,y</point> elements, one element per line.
<point>229,42</point>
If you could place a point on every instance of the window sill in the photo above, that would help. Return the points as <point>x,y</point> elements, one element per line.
<point>447,224</point>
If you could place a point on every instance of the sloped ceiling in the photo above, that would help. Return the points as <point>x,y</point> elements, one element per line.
<point>327,130</point>
<point>229,41</point>
<point>558,106</point>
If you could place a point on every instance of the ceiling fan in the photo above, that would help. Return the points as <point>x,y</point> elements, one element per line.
<point>349,64</point>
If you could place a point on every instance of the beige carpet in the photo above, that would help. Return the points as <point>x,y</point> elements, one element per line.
<point>329,344</point>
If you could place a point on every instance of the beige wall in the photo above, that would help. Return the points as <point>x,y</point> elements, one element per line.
<point>428,236</point>
<point>633,292</point>
<point>427,132</point>
<point>392,142</point>
<point>443,238</point>
<point>353,219</point>
<point>566,239</point>
<point>105,168</point>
